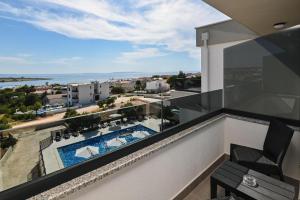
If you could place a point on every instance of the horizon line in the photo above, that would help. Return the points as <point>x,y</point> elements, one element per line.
<point>189,71</point>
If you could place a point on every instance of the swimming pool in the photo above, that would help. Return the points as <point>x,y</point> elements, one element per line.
<point>100,145</point>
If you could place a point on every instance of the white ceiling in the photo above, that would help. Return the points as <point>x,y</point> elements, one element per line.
<point>260,15</point>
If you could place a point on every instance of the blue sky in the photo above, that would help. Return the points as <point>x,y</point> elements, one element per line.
<point>84,36</point>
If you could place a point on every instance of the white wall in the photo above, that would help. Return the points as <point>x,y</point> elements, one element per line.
<point>215,71</point>
<point>157,85</point>
<point>104,89</point>
<point>69,95</point>
<point>163,174</point>
<point>86,93</point>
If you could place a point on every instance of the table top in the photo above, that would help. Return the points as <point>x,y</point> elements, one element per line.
<point>231,175</point>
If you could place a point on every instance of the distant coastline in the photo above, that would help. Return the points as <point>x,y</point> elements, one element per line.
<point>64,79</point>
<point>20,79</point>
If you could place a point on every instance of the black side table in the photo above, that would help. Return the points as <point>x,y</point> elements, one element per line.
<point>230,176</point>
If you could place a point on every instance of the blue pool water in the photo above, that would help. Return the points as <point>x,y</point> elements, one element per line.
<point>67,153</point>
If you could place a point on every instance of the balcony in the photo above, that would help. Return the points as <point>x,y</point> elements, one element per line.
<point>178,151</point>
<point>165,149</point>
<point>74,90</point>
<point>75,97</point>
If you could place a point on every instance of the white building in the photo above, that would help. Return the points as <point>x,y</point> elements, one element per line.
<point>157,86</point>
<point>102,90</point>
<point>80,94</point>
<point>87,93</point>
<point>127,85</point>
<point>55,99</point>
<point>213,39</point>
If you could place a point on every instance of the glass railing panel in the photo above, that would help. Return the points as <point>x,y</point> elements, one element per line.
<point>181,110</point>
<point>30,152</point>
<point>192,84</point>
<point>263,75</point>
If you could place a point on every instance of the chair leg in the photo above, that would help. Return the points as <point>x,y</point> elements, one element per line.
<point>232,146</point>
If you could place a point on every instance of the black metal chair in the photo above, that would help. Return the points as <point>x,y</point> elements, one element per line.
<point>269,160</point>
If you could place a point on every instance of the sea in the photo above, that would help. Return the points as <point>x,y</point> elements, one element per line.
<point>74,78</point>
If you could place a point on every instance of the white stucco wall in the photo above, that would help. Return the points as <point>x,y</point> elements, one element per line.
<point>104,90</point>
<point>165,173</point>
<point>215,71</point>
<point>157,86</point>
<point>86,94</point>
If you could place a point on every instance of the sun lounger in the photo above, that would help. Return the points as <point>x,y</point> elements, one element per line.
<point>57,137</point>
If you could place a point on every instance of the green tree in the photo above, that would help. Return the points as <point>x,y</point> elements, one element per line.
<point>71,113</point>
<point>117,90</point>
<point>4,123</point>
<point>138,85</point>
<point>37,106</point>
<point>110,100</point>
<point>4,109</point>
<point>22,108</point>
<point>181,74</point>
<point>171,81</point>
<point>74,124</point>
<point>31,99</point>
<point>27,89</point>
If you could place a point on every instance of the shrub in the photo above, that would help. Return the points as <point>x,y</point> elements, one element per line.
<point>4,126</point>
<point>109,102</point>
<point>4,109</point>
<point>7,142</point>
<point>28,116</point>
<point>31,99</point>
<point>71,113</point>
<point>117,90</point>
<point>128,104</point>
<point>4,123</point>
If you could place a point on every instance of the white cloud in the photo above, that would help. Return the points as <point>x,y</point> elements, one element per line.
<point>28,59</point>
<point>24,55</point>
<point>8,60</point>
<point>64,61</point>
<point>167,23</point>
<point>139,54</point>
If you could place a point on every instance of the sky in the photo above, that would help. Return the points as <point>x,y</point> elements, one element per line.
<point>99,36</point>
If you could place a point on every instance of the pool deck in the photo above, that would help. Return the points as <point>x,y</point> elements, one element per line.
<point>52,160</point>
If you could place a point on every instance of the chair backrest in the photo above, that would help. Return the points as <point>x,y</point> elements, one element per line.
<point>277,141</point>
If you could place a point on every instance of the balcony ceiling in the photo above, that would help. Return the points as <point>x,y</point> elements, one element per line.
<point>260,15</point>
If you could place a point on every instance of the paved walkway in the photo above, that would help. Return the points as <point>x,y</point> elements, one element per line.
<point>23,159</point>
<point>87,109</point>
<point>56,117</point>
